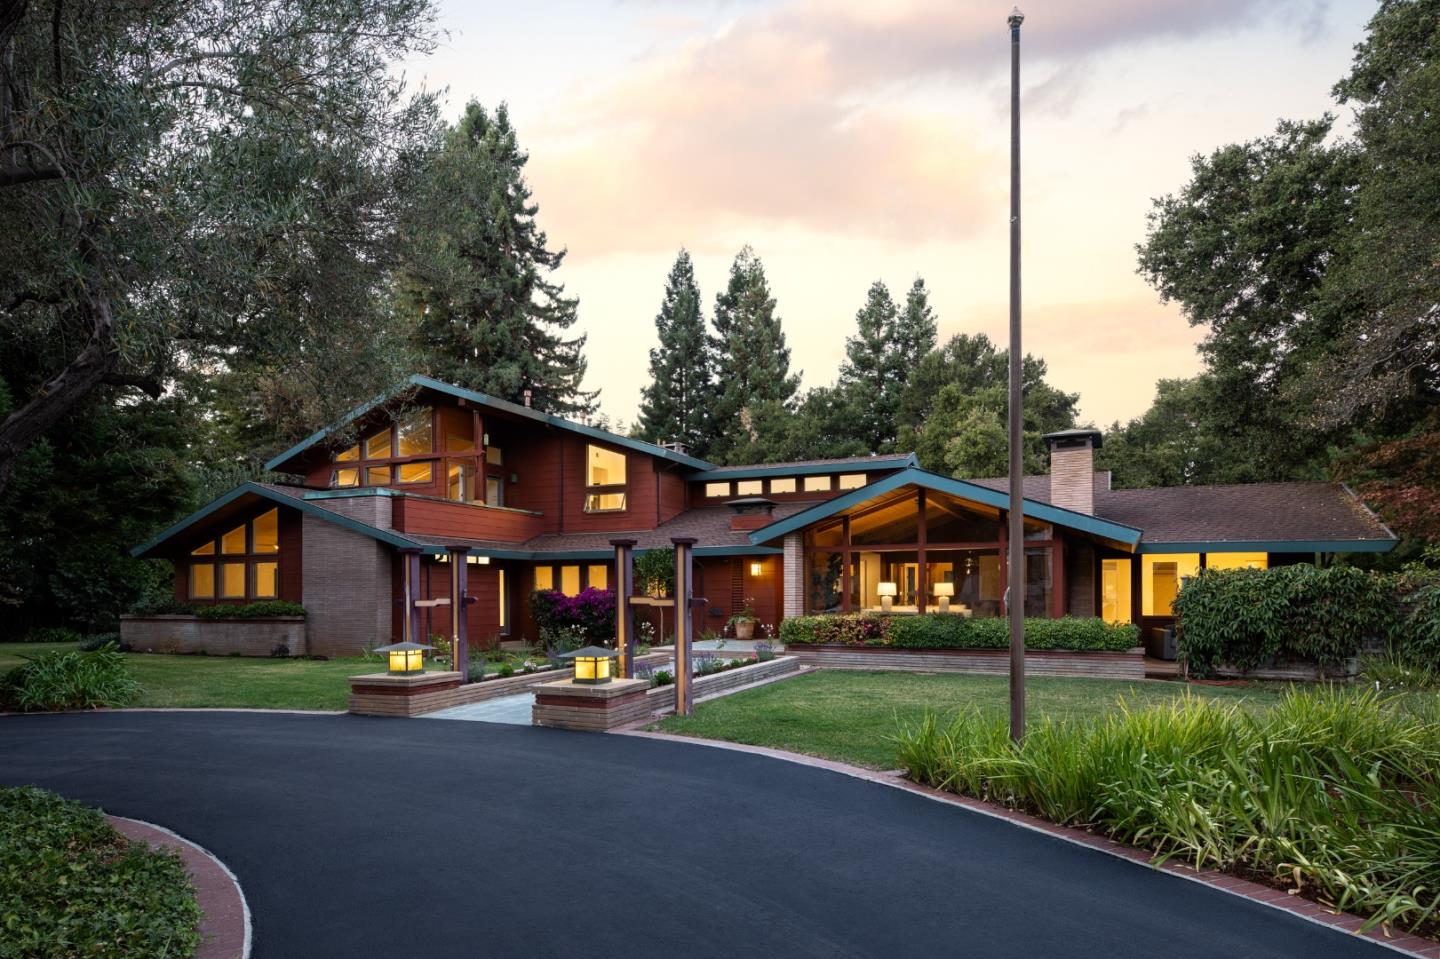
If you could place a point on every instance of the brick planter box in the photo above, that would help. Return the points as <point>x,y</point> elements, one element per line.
<point>1096,664</point>
<point>661,699</point>
<point>571,705</point>
<point>217,637</point>
<point>381,694</point>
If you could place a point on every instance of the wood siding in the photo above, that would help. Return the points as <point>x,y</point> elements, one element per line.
<point>465,520</point>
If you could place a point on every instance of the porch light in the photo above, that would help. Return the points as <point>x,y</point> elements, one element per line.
<point>943,591</point>
<point>592,664</point>
<point>887,593</point>
<point>754,569</point>
<point>405,658</point>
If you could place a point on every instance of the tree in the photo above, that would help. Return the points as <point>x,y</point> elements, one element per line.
<point>674,403</point>
<point>476,280</point>
<point>966,434</point>
<point>749,355</point>
<point>872,373</point>
<point>821,426</point>
<point>189,184</point>
<point>915,331</point>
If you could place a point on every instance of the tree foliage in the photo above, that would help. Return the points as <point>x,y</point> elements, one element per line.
<point>675,403</point>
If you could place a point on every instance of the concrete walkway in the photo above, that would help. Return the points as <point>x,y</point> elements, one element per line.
<point>514,710</point>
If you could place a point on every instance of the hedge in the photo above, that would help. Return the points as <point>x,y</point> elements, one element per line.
<point>948,631</point>
<point>262,610</point>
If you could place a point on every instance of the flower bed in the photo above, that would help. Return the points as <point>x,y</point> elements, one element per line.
<point>948,631</point>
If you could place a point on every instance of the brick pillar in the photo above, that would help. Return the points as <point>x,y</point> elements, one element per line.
<point>792,572</point>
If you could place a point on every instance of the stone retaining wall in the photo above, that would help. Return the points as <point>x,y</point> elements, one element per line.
<point>661,699</point>
<point>217,637</point>
<point>1038,662</point>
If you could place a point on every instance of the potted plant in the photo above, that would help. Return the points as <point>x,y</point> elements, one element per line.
<point>744,621</point>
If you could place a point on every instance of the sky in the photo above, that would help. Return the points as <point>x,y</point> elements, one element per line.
<point>848,141</point>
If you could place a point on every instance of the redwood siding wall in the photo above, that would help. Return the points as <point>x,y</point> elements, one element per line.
<point>482,616</point>
<point>465,520</point>
<point>672,494</point>
<point>535,461</point>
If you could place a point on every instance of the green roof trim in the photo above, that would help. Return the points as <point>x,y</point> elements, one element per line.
<point>811,469</point>
<point>1274,546</point>
<point>546,419</point>
<point>247,488</point>
<point>915,476</point>
<point>577,555</point>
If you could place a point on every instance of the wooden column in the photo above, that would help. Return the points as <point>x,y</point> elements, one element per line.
<point>624,612</point>
<point>921,585</point>
<point>409,593</point>
<point>459,599</point>
<point>684,625</point>
<point>1004,561</point>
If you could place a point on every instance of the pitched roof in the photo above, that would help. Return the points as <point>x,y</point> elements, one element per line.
<point>840,464</point>
<point>1305,517</point>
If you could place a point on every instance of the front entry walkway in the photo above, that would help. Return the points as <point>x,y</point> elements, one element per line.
<point>514,710</point>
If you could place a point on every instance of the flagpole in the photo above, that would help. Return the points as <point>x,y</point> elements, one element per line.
<point>1015,591</point>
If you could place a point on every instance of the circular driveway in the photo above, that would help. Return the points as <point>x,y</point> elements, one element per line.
<point>361,837</point>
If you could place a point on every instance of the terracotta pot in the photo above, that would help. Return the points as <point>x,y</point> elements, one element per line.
<point>745,630</point>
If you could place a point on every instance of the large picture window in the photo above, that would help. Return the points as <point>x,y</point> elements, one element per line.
<point>604,480</point>
<point>249,566</point>
<point>414,433</point>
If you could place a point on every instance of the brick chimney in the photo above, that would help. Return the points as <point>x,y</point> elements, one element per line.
<point>1072,469</point>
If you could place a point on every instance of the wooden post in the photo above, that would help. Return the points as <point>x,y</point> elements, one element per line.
<point>410,593</point>
<point>459,599</point>
<point>684,625</point>
<point>624,612</point>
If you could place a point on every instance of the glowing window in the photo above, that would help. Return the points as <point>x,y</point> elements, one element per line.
<point>346,477</point>
<point>504,604</point>
<point>378,446</point>
<point>267,581</point>
<point>206,550</point>
<point>599,576</point>
<point>1237,560</point>
<point>717,489</point>
<point>458,482</point>
<point>353,453</point>
<point>544,578</point>
<point>817,484</point>
<point>852,481</point>
<point>232,580</point>
<point>494,491</point>
<point>604,502</point>
<point>1161,576</point>
<point>414,434</point>
<point>749,487</point>
<point>604,467</point>
<point>377,476</point>
<point>202,580</point>
<point>233,541</point>
<point>415,472</point>
<point>570,580</point>
<point>1115,604</point>
<point>495,456</point>
<point>266,535</point>
<point>458,439</point>
<point>786,484</point>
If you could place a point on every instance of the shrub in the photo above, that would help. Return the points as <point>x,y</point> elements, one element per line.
<point>261,610</point>
<point>71,885</point>
<point>161,604</point>
<point>506,670</point>
<point>1332,792</point>
<point>51,634</point>
<point>592,612</point>
<point>947,631</point>
<point>1248,617</point>
<point>69,680</point>
<point>98,641</point>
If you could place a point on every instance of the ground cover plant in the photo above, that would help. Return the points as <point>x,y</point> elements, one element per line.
<point>1330,792</point>
<point>69,678</point>
<point>71,886</point>
<point>947,631</point>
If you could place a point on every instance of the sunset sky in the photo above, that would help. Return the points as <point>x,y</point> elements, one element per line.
<point>854,141</point>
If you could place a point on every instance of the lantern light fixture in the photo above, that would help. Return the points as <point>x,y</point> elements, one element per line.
<point>406,659</point>
<point>755,568</point>
<point>592,664</point>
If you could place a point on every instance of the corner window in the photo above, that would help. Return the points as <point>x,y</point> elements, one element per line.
<point>604,480</point>
<point>415,473</point>
<point>1161,576</point>
<point>717,489</point>
<point>786,484</point>
<point>378,446</point>
<point>353,453</point>
<point>852,481</point>
<point>458,438</point>
<point>817,484</point>
<point>250,566</point>
<point>749,487</point>
<point>414,434</point>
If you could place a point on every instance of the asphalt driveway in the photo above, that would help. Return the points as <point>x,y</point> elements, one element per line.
<point>361,837</point>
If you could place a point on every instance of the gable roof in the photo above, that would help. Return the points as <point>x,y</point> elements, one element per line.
<point>914,476</point>
<point>842,464</point>
<point>515,409</point>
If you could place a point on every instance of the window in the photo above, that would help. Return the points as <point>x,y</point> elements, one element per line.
<point>267,581</point>
<point>1115,591</point>
<point>717,489</point>
<point>1161,576</point>
<point>266,532</point>
<point>544,578</point>
<point>458,482</point>
<point>969,578</point>
<point>232,580</point>
<point>817,484</point>
<point>1237,560</point>
<point>347,477</point>
<point>604,502</point>
<point>495,456</point>
<point>504,604</point>
<point>604,467</point>
<point>749,487</point>
<point>852,481</point>
<point>598,576</point>
<point>202,580</point>
<point>378,446</point>
<point>414,434</point>
<point>783,485</point>
<point>1038,586</point>
<point>207,550</point>
<point>377,476</point>
<point>458,438</point>
<point>415,472</point>
<point>233,541</point>
<point>353,453</point>
<point>494,491</point>
<point>570,580</point>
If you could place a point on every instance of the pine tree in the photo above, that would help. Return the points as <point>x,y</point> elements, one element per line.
<point>677,399</point>
<point>916,330</point>
<point>870,371</point>
<point>749,356</point>
<point>477,278</point>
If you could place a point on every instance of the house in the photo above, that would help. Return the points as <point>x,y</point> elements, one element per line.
<point>532,501</point>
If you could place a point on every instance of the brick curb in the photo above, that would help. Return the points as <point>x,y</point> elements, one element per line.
<point>225,916</point>
<point>1298,906</point>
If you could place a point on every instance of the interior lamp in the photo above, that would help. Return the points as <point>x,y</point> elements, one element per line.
<point>406,659</point>
<point>943,591</point>
<point>592,664</point>
<point>887,593</point>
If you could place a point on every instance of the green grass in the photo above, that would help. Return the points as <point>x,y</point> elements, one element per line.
<point>851,716</point>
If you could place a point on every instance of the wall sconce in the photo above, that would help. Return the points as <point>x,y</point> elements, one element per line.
<point>592,664</point>
<point>755,569</point>
<point>887,593</point>
<point>406,659</point>
<point>943,591</point>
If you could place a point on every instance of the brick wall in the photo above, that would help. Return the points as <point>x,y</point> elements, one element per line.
<point>1072,475</point>
<point>347,588</point>
<point>371,509</point>
<point>217,637</point>
<point>793,575</point>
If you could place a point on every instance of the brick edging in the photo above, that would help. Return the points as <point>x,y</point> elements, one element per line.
<point>1297,906</point>
<point>225,931</point>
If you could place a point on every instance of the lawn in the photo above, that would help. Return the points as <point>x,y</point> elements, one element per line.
<point>849,716</point>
